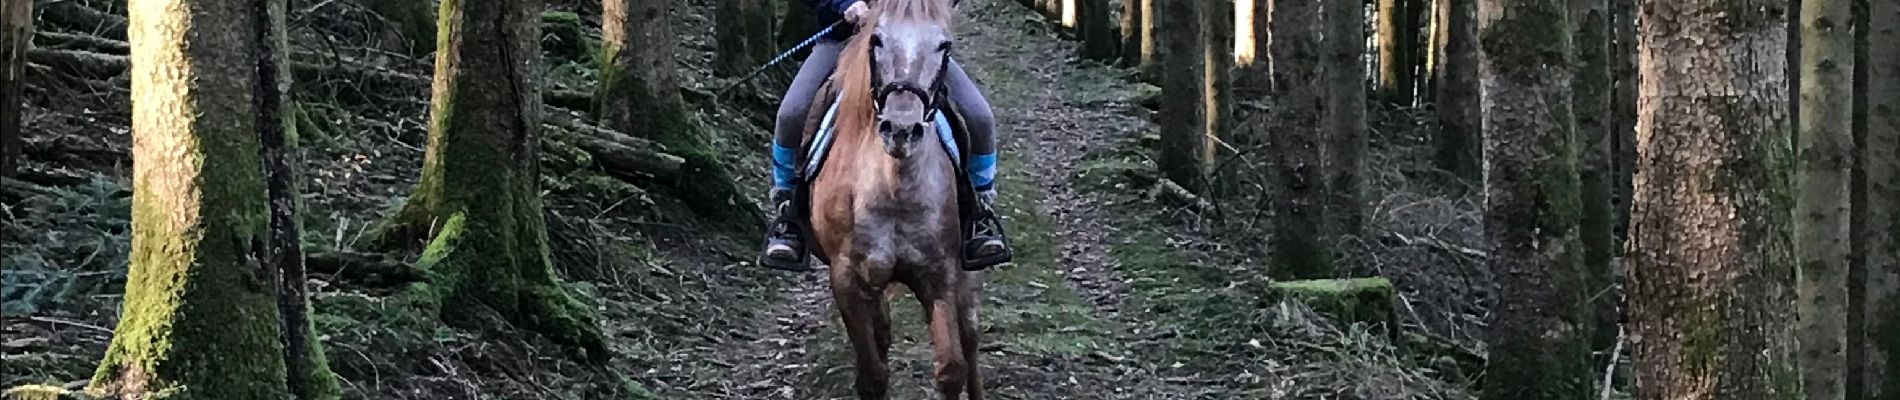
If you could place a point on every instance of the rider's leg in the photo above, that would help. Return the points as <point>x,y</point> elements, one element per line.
<point>785,246</point>
<point>987,246</point>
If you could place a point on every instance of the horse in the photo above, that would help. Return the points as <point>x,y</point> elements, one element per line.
<point>887,207</point>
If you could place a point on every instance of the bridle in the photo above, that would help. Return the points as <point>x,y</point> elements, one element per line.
<point>933,96</point>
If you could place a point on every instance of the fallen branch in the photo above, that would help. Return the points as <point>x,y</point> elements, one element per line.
<point>1435,243</point>
<point>370,269</point>
<point>621,156</point>
<point>1172,193</point>
<point>68,41</point>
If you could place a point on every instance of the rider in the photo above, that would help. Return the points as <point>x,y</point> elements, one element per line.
<point>785,245</point>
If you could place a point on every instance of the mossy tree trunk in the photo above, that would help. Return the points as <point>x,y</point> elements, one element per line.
<point>1183,109</point>
<point>639,94</point>
<point>1824,142</point>
<point>16,35</point>
<point>1590,104</point>
<point>1710,254</point>
<point>1100,40</point>
<point>306,368</point>
<point>1455,146</point>
<point>412,20</point>
<point>478,204</point>
<point>1395,45</point>
<point>1345,125</point>
<point>1877,341</point>
<point>200,320</point>
<point>1300,247</point>
<point>1880,370</point>
<point>1539,327</point>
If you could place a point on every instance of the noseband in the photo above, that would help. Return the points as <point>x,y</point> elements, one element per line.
<point>932,96</point>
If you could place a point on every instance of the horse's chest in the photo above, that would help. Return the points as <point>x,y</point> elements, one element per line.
<point>900,233</point>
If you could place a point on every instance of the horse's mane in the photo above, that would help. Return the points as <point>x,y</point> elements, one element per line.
<point>856,112</point>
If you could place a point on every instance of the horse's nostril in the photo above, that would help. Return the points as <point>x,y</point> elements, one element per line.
<point>884,126</point>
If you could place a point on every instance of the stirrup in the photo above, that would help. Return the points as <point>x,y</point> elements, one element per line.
<point>971,262</point>
<point>799,259</point>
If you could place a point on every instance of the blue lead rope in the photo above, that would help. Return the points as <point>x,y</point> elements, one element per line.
<point>780,58</point>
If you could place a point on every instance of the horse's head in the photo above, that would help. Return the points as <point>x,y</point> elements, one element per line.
<point>909,49</point>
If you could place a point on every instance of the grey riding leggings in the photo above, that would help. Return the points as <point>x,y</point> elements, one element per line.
<point>824,58</point>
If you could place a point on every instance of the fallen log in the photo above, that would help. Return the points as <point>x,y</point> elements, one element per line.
<point>68,41</point>
<point>74,16</point>
<point>616,154</point>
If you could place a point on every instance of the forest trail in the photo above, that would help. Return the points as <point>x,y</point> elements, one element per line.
<point>1051,321</point>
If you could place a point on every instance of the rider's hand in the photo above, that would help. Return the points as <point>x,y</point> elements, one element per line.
<point>856,12</point>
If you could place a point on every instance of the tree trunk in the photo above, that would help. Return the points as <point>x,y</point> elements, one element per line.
<point>1710,256</point>
<point>1395,47</point>
<point>16,36</point>
<point>730,55</point>
<point>199,311</point>
<point>1623,109</point>
<point>305,365</point>
<point>1435,49</point>
<point>1217,48</point>
<point>1825,142</point>
<point>1149,66</point>
<point>1131,33</point>
<point>1183,115</point>
<point>478,203</point>
<point>799,23</point>
<point>1301,249</point>
<point>639,94</point>
<point>1456,147</point>
<point>1345,126</point>
<point>1100,40</point>
<point>1539,330</point>
<point>1590,104</point>
<point>1880,152</point>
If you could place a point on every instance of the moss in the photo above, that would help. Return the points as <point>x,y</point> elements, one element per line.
<point>565,37</point>
<point>1362,300</point>
<point>35,392</point>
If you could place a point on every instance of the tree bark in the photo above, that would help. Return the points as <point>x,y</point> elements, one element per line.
<point>639,94</point>
<point>478,203</point>
<point>1880,152</point>
<point>1183,115</point>
<point>1395,51</point>
<point>16,36</point>
<point>306,367</point>
<point>1456,147</point>
<point>731,57</point>
<point>1710,254</point>
<point>199,314</point>
<point>1149,66</point>
<point>1590,104</point>
<point>1539,327</point>
<point>1301,249</point>
<point>1130,29</point>
<point>1217,48</point>
<point>1100,40</point>
<point>1824,142</point>
<point>1345,124</point>
<point>1623,109</point>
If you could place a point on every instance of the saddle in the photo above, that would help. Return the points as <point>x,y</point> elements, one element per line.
<point>816,145</point>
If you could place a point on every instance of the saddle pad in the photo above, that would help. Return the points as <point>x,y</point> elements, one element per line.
<point>827,131</point>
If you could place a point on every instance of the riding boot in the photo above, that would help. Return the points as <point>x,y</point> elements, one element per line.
<point>785,238</point>
<point>988,246</point>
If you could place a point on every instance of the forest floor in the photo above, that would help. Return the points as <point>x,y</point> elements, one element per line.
<point>1116,293</point>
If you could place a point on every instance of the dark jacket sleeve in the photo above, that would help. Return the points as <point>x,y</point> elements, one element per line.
<point>830,10</point>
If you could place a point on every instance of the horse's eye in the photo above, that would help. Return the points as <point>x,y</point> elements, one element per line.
<point>945,46</point>
<point>877,40</point>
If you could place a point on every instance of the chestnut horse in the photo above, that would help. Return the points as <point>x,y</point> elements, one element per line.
<point>885,207</point>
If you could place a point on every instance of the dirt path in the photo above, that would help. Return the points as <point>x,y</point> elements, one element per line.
<point>1052,322</point>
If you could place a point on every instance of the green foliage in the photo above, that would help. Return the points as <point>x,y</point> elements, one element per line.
<point>64,244</point>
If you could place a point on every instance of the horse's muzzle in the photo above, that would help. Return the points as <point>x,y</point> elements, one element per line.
<point>899,139</point>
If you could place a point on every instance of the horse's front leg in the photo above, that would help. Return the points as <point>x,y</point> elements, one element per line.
<point>867,321</point>
<point>952,336</point>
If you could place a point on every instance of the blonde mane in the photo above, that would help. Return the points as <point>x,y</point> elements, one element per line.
<point>856,110</point>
